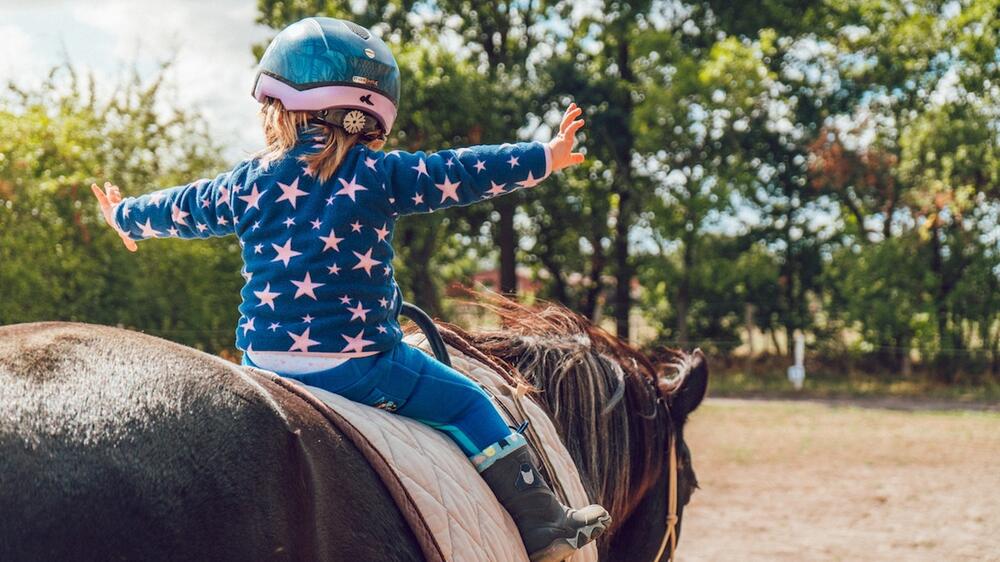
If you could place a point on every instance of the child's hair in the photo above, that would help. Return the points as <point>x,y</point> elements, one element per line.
<point>281,133</point>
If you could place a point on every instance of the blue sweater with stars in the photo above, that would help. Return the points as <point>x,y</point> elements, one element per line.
<point>318,255</point>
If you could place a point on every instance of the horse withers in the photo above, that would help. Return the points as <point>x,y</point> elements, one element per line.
<point>115,445</point>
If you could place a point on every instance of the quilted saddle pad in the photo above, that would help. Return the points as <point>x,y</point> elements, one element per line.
<point>466,521</point>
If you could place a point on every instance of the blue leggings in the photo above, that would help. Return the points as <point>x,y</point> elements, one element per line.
<point>409,382</point>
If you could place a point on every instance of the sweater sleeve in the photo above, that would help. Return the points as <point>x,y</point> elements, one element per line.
<point>421,183</point>
<point>200,209</point>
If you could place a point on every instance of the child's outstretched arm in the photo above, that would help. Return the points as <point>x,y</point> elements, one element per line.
<point>420,183</point>
<point>197,210</point>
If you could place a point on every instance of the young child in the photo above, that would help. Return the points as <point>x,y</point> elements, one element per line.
<point>314,213</point>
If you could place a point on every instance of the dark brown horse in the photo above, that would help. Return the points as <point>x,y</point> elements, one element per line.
<point>119,446</point>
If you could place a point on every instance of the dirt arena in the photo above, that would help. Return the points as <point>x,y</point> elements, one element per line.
<point>804,481</point>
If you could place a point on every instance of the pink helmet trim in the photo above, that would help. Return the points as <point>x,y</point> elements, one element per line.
<point>324,97</point>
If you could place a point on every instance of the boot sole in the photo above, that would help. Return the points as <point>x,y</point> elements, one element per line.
<point>562,549</point>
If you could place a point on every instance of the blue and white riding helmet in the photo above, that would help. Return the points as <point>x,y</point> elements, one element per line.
<point>335,68</point>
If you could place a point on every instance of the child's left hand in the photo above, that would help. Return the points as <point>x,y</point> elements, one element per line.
<point>562,145</point>
<point>107,200</point>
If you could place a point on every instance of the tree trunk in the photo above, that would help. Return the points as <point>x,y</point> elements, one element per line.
<point>623,188</point>
<point>508,246</point>
<point>623,270</point>
<point>943,365</point>
<point>592,298</point>
<point>684,294</point>
<point>421,250</point>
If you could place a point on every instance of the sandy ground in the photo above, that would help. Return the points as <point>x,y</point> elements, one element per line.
<point>783,481</point>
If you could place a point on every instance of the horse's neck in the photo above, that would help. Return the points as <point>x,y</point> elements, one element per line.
<point>624,482</point>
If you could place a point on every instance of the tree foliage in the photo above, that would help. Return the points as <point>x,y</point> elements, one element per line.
<point>829,167</point>
<point>58,261</point>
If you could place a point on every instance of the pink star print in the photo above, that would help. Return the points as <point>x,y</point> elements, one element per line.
<point>381,329</point>
<point>357,343</point>
<point>418,199</point>
<point>289,222</point>
<point>496,188</point>
<point>173,231</point>
<point>350,188</point>
<point>370,162</point>
<point>177,215</point>
<point>291,192</point>
<point>308,319</point>
<point>223,196</point>
<point>513,161</point>
<point>331,241</point>
<point>356,226</point>
<point>285,253</point>
<point>480,166</point>
<point>266,296</point>
<point>421,168</point>
<point>345,300</point>
<point>530,181</point>
<point>248,326</point>
<point>359,312</point>
<point>382,232</point>
<point>306,287</point>
<point>383,303</point>
<point>147,230</point>
<point>448,189</point>
<point>317,224</point>
<point>201,227</point>
<point>333,269</point>
<point>366,262</point>
<point>302,341</point>
<point>253,199</point>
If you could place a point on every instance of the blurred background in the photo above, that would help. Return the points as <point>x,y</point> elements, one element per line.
<point>758,173</point>
<point>828,169</point>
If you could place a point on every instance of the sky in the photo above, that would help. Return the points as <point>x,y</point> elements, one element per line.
<point>208,43</point>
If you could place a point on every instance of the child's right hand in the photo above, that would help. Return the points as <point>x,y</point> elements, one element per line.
<point>107,200</point>
<point>561,147</point>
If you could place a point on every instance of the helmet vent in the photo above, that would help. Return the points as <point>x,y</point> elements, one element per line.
<point>358,30</point>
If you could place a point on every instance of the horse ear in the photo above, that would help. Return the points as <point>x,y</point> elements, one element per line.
<point>692,391</point>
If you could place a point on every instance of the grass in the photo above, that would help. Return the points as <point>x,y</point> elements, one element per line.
<point>772,382</point>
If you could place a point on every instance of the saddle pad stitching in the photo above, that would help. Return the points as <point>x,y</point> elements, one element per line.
<point>438,473</point>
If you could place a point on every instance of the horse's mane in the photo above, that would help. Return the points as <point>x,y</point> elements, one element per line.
<point>602,394</point>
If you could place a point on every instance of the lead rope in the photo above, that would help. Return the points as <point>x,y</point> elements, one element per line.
<point>670,533</point>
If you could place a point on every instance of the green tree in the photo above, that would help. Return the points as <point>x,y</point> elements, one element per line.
<point>58,261</point>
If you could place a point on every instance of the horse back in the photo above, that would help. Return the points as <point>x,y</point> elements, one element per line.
<point>116,445</point>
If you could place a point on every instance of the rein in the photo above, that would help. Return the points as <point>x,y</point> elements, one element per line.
<point>670,531</point>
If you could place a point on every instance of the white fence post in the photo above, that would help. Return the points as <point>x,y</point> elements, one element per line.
<point>797,372</point>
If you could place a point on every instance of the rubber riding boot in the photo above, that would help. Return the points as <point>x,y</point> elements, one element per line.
<point>550,530</point>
